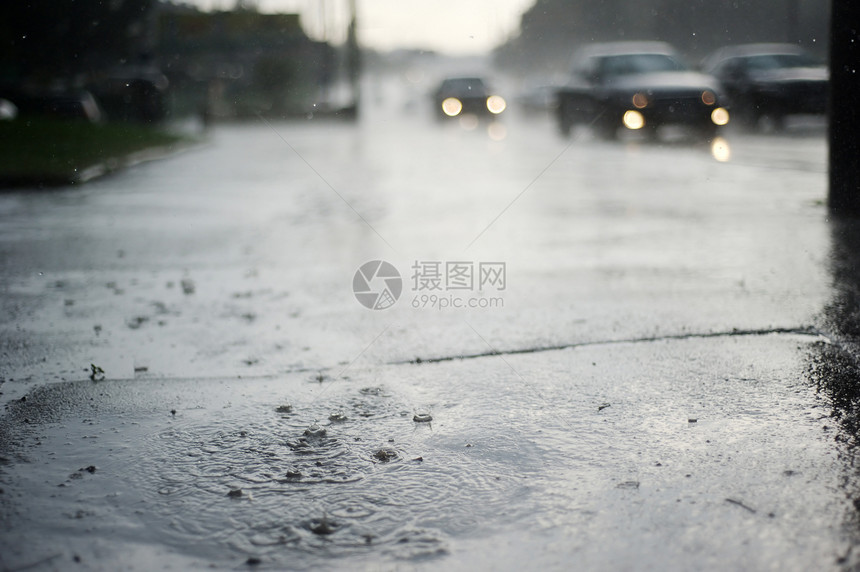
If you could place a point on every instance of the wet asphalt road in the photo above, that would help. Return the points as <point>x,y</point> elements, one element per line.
<point>645,391</point>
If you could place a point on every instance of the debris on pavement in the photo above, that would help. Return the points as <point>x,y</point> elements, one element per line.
<point>740,504</point>
<point>385,454</point>
<point>96,373</point>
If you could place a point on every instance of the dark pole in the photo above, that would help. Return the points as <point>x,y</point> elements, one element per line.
<point>353,56</point>
<point>844,107</point>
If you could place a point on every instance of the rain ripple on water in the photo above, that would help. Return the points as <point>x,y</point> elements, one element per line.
<point>348,475</point>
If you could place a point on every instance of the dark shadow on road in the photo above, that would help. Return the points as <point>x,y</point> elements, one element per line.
<point>841,316</point>
<point>834,366</point>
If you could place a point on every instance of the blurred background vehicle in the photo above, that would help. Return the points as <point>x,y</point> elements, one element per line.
<point>639,86</point>
<point>8,110</point>
<point>59,104</point>
<point>466,95</point>
<point>133,93</point>
<point>768,82</point>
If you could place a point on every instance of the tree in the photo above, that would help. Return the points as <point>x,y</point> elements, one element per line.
<point>43,40</point>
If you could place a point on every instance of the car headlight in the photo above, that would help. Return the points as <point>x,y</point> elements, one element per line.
<point>496,104</point>
<point>640,100</point>
<point>633,120</point>
<point>720,116</point>
<point>708,97</point>
<point>452,106</point>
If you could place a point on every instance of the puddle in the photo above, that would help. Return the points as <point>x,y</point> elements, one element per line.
<point>524,464</point>
<point>239,475</point>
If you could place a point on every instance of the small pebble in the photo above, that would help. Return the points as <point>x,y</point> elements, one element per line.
<point>692,420</point>
<point>286,408</point>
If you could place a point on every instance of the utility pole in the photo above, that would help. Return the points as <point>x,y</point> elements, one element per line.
<point>353,59</point>
<point>844,131</point>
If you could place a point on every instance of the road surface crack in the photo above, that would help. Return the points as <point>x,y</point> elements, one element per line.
<point>734,332</point>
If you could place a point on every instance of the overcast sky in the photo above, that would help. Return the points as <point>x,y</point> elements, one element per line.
<point>452,26</point>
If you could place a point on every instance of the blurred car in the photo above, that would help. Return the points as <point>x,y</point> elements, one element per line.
<point>769,80</point>
<point>466,95</point>
<point>637,85</point>
<point>76,104</point>
<point>133,93</point>
<point>8,110</point>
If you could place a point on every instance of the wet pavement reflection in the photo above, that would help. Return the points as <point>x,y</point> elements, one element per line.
<point>650,395</point>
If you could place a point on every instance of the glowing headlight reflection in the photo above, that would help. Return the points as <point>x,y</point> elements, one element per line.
<point>496,104</point>
<point>468,122</point>
<point>452,106</point>
<point>720,116</point>
<point>708,97</point>
<point>640,100</point>
<point>497,131</point>
<point>720,150</point>
<point>633,120</point>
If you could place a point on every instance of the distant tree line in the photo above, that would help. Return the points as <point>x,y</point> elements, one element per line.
<point>145,59</point>
<point>552,29</point>
<point>49,40</point>
<point>241,62</point>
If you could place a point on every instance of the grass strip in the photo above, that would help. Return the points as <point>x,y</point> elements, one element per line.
<point>36,151</point>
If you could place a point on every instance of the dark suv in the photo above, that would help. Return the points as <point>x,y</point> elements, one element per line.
<point>637,85</point>
<point>769,81</point>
